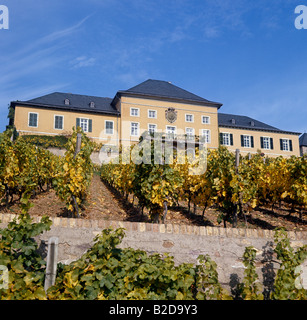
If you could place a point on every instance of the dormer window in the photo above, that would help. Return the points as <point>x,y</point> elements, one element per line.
<point>92,104</point>
<point>233,121</point>
<point>252,123</point>
<point>67,102</point>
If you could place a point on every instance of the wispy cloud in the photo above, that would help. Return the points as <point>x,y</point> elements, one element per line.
<point>30,92</point>
<point>25,66</point>
<point>132,77</point>
<point>270,103</point>
<point>51,39</point>
<point>64,32</point>
<point>40,55</point>
<point>211,32</point>
<point>82,61</point>
<point>35,61</point>
<point>25,93</point>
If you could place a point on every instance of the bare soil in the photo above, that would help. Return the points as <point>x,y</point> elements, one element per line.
<point>105,203</point>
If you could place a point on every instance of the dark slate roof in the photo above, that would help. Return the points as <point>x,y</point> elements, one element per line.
<point>166,90</point>
<point>77,102</point>
<point>303,140</point>
<point>244,122</point>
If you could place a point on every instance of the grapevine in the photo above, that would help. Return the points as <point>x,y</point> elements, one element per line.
<point>75,173</point>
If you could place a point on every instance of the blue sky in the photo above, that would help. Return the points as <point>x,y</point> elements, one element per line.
<point>245,54</point>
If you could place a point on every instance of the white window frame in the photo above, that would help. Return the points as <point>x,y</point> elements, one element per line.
<point>192,117</point>
<point>171,127</point>
<point>207,134</point>
<point>87,124</point>
<point>152,124</point>
<point>155,111</point>
<point>287,141</point>
<point>228,137</point>
<point>29,119</point>
<point>137,131</point>
<point>134,115</point>
<point>247,138</point>
<point>205,117</point>
<point>105,127</point>
<point>268,143</point>
<point>58,115</point>
<point>190,134</point>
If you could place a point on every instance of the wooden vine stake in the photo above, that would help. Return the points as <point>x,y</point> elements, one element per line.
<point>51,267</point>
<point>77,150</point>
<point>240,205</point>
<point>78,144</point>
<point>237,172</point>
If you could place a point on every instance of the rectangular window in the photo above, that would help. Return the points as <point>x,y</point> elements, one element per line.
<point>58,122</point>
<point>134,112</point>
<point>226,139</point>
<point>134,129</point>
<point>266,143</point>
<point>84,124</point>
<point>189,118</point>
<point>247,141</point>
<point>189,132</point>
<point>109,127</point>
<point>170,129</point>
<point>152,128</point>
<point>207,134</point>
<point>205,119</point>
<point>286,145</point>
<point>33,119</point>
<point>152,114</point>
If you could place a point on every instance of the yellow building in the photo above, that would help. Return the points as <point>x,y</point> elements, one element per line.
<point>154,106</point>
<point>250,135</point>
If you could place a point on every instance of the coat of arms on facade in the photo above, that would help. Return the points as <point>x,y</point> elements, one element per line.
<point>171,115</point>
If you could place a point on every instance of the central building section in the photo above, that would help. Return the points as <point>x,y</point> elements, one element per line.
<point>159,106</point>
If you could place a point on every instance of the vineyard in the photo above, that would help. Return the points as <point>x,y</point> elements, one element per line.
<point>223,194</point>
<point>26,170</point>
<point>233,190</point>
<point>107,272</point>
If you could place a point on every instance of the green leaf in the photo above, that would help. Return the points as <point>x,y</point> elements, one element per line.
<point>40,293</point>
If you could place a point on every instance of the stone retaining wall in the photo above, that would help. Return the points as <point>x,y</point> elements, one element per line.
<point>185,243</point>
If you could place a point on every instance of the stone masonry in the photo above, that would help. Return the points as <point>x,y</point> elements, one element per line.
<point>184,242</point>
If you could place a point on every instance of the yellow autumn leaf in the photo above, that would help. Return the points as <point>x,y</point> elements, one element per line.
<point>68,281</point>
<point>254,203</point>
